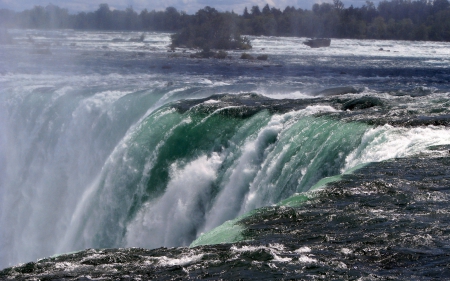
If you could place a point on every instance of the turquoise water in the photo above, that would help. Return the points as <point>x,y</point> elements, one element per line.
<point>100,148</point>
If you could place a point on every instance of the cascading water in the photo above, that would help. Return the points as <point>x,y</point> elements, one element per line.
<point>134,160</point>
<point>83,179</point>
<point>56,143</point>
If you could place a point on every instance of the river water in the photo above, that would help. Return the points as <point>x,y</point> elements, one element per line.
<point>108,143</point>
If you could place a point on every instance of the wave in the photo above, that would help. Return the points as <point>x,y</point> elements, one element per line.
<point>138,169</point>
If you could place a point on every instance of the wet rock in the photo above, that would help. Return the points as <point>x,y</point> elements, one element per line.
<point>318,42</point>
<point>362,103</point>
<point>337,91</point>
<point>246,56</point>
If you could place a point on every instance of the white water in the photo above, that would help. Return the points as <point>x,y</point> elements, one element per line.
<point>387,142</point>
<point>170,219</point>
<point>66,137</point>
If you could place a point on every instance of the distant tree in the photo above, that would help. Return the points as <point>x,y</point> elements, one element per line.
<point>38,18</point>
<point>103,17</point>
<point>377,29</point>
<point>210,29</point>
<point>440,26</point>
<point>266,10</point>
<point>322,9</point>
<point>338,5</point>
<point>256,11</point>
<point>171,19</point>
<point>440,5</point>
<point>420,32</point>
<point>276,12</point>
<point>245,14</point>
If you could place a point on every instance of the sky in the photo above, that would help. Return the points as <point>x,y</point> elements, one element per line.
<point>189,6</point>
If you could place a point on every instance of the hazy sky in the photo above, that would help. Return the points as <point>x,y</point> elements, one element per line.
<point>189,6</point>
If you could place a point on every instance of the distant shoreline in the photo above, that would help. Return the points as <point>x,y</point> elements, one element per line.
<point>391,20</point>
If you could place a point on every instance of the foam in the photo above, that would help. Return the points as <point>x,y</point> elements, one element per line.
<point>387,142</point>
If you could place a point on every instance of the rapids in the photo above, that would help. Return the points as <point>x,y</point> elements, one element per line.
<point>119,144</point>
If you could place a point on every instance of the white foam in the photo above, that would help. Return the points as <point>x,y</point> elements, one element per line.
<point>346,251</point>
<point>169,220</point>
<point>303,250</point>
<point>183,260</point>
<point>388,142</point>
<point>306,259</point>
<point>274,249</point>
<point>228,202</point>
<point>211,102</point>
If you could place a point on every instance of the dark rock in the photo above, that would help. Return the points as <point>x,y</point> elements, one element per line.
<point>318,42</point>
<point>362,103</point>
<point>246,56</point>
<point>27,268</point>
<point>221,55</point>
<point>337,91</point>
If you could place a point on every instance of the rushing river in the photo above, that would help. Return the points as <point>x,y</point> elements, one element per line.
<point>306,161</point>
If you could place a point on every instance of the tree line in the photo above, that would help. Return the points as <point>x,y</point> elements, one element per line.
<point>395,19</point>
